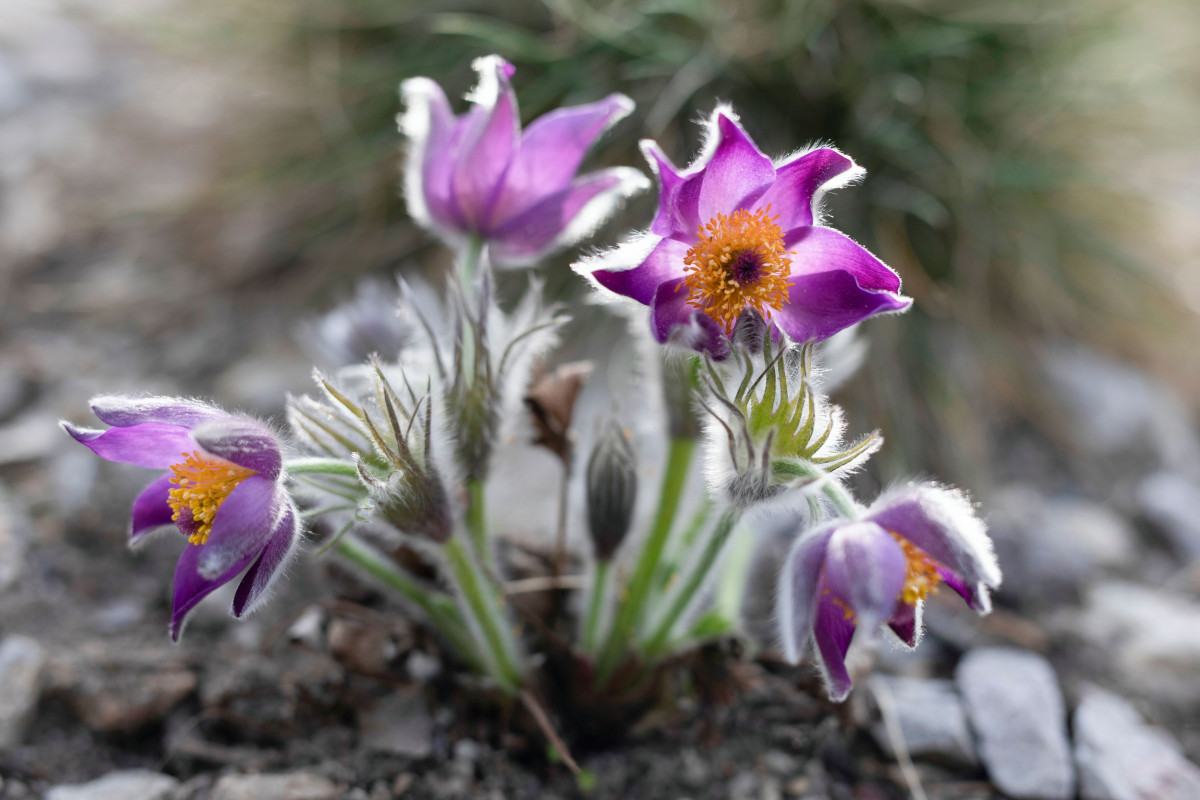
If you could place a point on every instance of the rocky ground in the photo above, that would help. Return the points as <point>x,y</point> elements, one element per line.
<point>1082,684</point>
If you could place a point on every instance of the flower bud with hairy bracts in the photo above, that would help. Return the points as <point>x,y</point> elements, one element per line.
<point>611,490</point>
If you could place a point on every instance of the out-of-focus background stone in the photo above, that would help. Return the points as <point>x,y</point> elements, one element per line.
<point>183,186</point>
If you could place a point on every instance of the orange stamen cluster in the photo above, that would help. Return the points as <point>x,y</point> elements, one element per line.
<point>922,578</point>
<point>738,263</point>
<point>202,483</point>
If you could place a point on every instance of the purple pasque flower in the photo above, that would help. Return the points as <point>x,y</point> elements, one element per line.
<point>479,176</point>
<point>736,231</point>
<point>879,568</point>
<point>223,489</point>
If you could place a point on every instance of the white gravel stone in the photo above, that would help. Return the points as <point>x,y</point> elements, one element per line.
<point>931,718</point>
<point>289,786</point>
<point>134,783</point>
<point>1171,501</point>
<point>21,663</point>
<point>1016,708</point>
<point>1120,757</point>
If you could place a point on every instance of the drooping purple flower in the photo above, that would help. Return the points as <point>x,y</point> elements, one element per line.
<point>479,176</point>
<point>851,574</point>
<point>736,231</point>
<point>223,490</point>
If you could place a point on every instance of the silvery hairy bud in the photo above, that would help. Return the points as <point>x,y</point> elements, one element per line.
<point>611,489</point>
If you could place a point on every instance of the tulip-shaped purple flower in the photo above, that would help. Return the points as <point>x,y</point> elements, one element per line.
<point>478,176</point>
<point>880,568</point>
<point>223,490</point>
<point>736,231</point>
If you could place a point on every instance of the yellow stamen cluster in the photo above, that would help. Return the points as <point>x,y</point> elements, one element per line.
<point>922,578</point>
<point>202,483</point>
<point>738,263</point>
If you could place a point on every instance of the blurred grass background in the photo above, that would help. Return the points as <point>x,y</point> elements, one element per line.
<point>1028,163</point>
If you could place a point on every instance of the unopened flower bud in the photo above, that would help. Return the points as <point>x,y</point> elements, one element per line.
<point>611,490</point>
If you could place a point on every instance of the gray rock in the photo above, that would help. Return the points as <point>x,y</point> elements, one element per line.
<point>1113,407</point>
<point>1016,708</point>
<point>1153,636</point>
<point>21,662</point>
<point>139,783</point>
<point>1120,757</point>
<point>931,717</point>
<point>15,532</point>
<point>399,725</point>
<point>289,786</point>
<point>31,436</point>
<point>1171,501</point>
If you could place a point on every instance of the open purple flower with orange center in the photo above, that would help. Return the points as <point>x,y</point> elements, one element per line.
<point>879,568</point>
<point>736,231</point>
<point>478,176</point>
<point>223,490</point>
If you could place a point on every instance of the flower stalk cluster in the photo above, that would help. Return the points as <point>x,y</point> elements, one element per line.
<point>737,278</point>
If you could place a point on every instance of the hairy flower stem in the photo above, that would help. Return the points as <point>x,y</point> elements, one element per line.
<point>656,643</point>
<point>477,521</point>
<point>591,626</point>
<point>629,613</point>
<point>468,267</point>
<point>486,606</point>
<point>321,466</point>
<point>439,608</point>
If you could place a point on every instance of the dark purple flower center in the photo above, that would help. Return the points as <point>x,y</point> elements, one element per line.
<point>746,268</point>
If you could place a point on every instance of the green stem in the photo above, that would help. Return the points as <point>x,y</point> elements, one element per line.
<point>469,265</point>
<point>591,627</point>
<point>683,597</point>
<point>486,606</point>
<point>439,608</point>
<point>629,613</point>
<point>321,466</point>
<point>477,519</point>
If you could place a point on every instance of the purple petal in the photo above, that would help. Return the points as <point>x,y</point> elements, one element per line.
<point>822,304</point>
<point>800,183</point>
<point>819,250</point>
<point>832,632</point>
<point>672,218</point>
<point>944,525</point>
<point>799,590</point>
<point>736,175</point>
<point>262,572</point>
<point>191,586</point>
<point>866,567</point>
<point>906,622</point>
<point>563,218</point>
<point>701,334</point>
<point>665,263</point>
<point>150,509</point>
<point>433,136</point>
<point>670,308</point>
<point>149,444</point>
<point>488,140</point>
<point>242,526</point>
<point>550,152</point>
<point>243,441</point>
<point>123,411</point>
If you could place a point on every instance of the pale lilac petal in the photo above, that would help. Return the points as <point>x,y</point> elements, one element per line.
<point>736,175</point>
<point>906,622</point>
<point>943,524</point>
<point>243,441</point>
<point>150,509</point>
<point>833,630</point>
<point>563,218</point>
<point>433,135</point>
<point>800,183</point>
<point>124,411</point>
<point>242,526</point>
<point>191,586</point>
<point>253,588</point>
<point>550,152</point>
<point>824,303</point>
<point>817,250</point>
<point>799,591</point>
<point>489,140</point>
<point>149,444</point>
<point>665,263</point>
<point>678,215</point>
<point>866,568</point>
